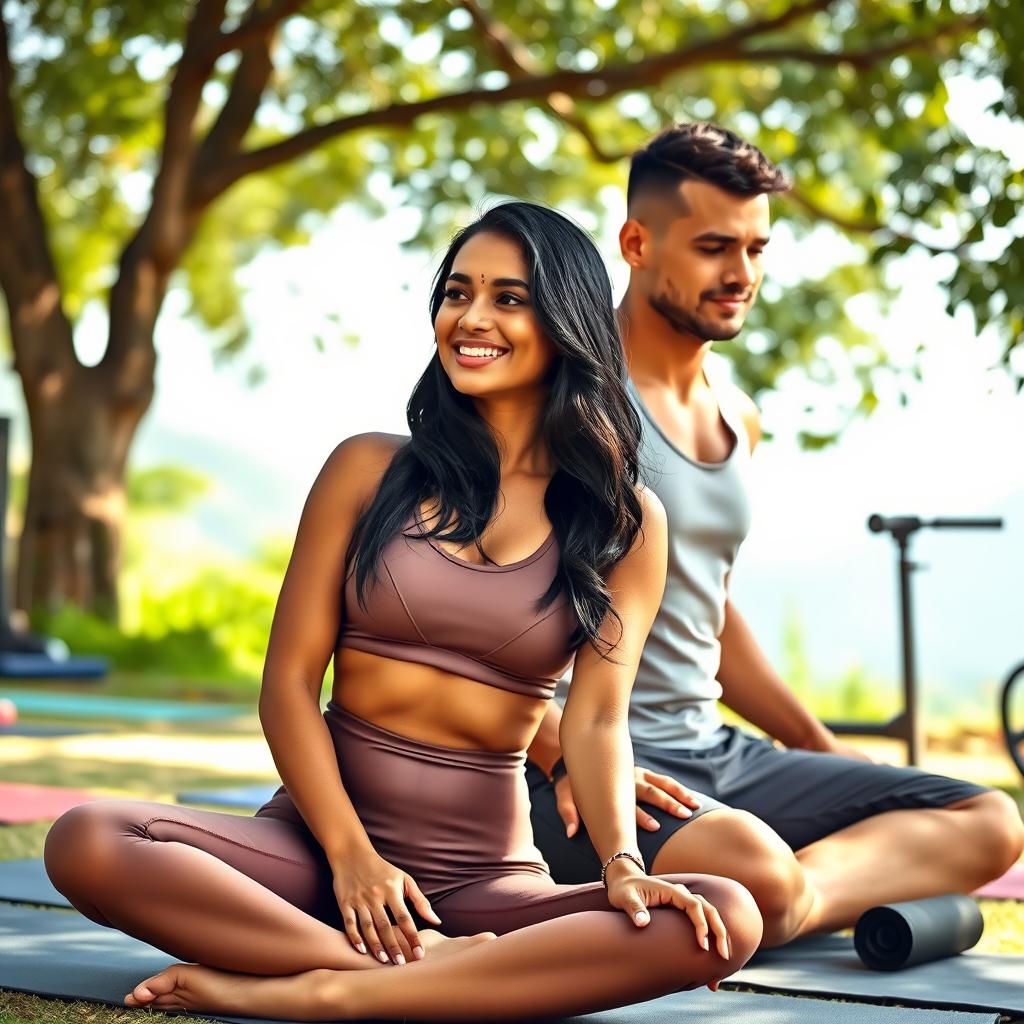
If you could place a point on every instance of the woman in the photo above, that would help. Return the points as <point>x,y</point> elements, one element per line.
<point>452,575</point>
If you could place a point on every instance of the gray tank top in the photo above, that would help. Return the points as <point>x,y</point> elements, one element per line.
<point>674,699</point>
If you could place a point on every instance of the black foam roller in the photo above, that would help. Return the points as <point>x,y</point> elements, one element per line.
<point>898,935</point>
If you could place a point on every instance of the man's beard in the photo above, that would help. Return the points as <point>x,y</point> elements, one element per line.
<point>684,322</point>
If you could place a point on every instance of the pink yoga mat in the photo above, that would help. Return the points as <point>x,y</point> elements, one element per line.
<point>21,803</point>
<point>1009,887</point>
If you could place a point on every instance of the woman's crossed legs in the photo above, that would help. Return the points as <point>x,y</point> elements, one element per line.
<point>563,950</point>
<point>254,895</point>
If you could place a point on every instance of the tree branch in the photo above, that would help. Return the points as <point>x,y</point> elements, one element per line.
<point>40,329</point>
<point>257,25</point>
<point>157,246</point>
<point>517,61</point>
<point>765,25</point>
<point>159,236</point>
<point>598,83</point>
<point>856,226</point>
<point>863,59</point>
<point>236,116</point>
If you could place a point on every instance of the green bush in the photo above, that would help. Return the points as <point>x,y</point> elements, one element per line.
<point>214,626</point>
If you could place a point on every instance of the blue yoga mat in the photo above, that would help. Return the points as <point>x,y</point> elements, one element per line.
<point>51,953</point>
<point>41,729</point>
<point>26,881</point>
<point>33,665</point>
<point>239,796</point>
<point>84,705</point>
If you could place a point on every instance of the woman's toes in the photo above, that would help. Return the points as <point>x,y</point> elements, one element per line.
<point>162,984</point>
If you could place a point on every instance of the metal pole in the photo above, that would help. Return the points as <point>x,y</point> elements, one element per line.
<point>911,718</point>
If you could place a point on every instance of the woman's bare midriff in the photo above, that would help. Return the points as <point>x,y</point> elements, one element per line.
<point>427,704</point>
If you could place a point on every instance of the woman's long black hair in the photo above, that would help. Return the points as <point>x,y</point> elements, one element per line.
<point>588,424</point>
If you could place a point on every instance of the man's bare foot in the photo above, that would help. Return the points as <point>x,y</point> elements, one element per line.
<point>203,989</point>
<point>437,945</point>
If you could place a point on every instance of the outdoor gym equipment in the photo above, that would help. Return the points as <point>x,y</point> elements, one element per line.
<point>906,725</point>
<point>1012,706</point>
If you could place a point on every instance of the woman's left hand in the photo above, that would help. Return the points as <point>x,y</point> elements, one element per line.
<point>634,892</point>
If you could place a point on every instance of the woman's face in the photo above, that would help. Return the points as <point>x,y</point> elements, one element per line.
<point>488,337</point>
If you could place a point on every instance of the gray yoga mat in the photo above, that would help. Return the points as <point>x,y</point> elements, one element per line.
<point>61,954</point>
<point>824,965</point>
<point>250,797</point>
<point>828,965</point>
<point>25,881</point>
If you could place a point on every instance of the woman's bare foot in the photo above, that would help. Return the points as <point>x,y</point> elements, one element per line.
<point>204,989</point>
<point>436,945</point>
<point>311,995</point>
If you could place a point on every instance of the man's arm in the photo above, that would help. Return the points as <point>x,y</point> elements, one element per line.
<point>545,749</point>
<point>750,686</point>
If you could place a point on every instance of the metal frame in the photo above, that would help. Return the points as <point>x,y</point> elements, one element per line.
<point>906,726</point>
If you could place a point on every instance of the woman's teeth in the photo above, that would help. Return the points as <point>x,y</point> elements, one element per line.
<point>466,350</point>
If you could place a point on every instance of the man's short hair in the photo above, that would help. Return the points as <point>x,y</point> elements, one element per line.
<point>701,151</point>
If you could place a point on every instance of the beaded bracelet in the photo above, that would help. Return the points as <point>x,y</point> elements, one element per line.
<point>635,858</point>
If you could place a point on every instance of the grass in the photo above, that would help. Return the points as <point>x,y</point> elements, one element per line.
<point>18,1008</point>
<point>1004,920</point>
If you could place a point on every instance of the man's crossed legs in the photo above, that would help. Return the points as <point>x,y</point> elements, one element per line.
<point>816,838</point>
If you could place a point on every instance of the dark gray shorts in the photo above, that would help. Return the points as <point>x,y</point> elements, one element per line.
<point>803,796</point>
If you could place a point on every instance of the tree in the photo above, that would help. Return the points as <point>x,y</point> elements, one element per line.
<point>145,142</point>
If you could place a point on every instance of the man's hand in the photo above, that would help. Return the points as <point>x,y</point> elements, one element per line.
<point>832,744</point>
<point>660,790</point>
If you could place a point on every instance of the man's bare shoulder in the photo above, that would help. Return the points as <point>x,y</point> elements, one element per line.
<point>749,413</point>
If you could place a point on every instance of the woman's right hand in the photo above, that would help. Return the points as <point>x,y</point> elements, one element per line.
<point>634,891</point>
<point>366,888</point>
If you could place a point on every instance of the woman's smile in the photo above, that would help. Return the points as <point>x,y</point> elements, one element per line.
<point>478,353</point>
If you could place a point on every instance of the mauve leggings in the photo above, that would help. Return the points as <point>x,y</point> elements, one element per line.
<point>456,820</point>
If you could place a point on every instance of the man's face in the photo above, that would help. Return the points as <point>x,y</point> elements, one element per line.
<point>701,269</point>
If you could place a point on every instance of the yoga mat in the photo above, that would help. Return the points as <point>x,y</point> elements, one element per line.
<point>1009,887</point>
<point>36,665</point>
<point>21,802</point>
<point>895,936</point>
<point>83,705</point>
<point>40,729</point>
<point>26,881</point>
<point>62,954</point>
<point>238,796</point>
<point>827,965</point>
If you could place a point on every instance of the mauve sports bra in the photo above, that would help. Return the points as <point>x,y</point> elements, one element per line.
<point>476,621</point>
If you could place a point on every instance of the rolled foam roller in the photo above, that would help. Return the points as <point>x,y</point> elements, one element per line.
<point>898,935</point>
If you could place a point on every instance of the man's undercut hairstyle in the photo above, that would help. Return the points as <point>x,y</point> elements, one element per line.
<point>701,151</point>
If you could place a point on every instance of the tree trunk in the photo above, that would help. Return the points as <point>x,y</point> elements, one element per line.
<point>70,544</point>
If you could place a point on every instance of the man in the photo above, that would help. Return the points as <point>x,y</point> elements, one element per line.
<point>817,832</point>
